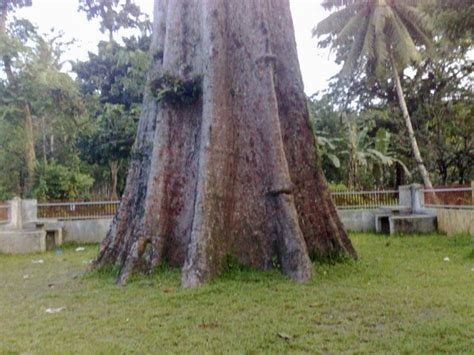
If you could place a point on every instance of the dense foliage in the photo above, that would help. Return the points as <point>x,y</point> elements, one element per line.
<point>437,90</point>
<point>66,138</point>
<point>81,131</point>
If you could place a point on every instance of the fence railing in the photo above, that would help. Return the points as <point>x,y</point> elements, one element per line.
<point>4,212</point>
<point>78,210</point>
<point>105,209</point>
<point>365,199</point>
<point>449,197</point>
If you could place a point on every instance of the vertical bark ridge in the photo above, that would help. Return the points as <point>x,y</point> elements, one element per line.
<point>131,209</point>
<point>322,229</point>
<point>206,247</point>
<point>170,187</point>
<point>291,247</point>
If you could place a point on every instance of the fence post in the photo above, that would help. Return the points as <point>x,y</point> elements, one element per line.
<point>14,214</point>
<point>29,211</point>
<point>417,198</point>
<point>472,192</point>
<point>404,195</point>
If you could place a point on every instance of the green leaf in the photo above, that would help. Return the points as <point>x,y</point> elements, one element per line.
<point>334,160</point>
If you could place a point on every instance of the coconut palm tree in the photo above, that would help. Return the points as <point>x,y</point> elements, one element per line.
<point>382,37</point>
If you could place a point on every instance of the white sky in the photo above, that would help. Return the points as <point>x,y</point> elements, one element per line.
<point>316,65</point>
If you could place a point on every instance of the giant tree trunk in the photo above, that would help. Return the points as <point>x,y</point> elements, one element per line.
<point>411,133</point>
<point>234,172</point>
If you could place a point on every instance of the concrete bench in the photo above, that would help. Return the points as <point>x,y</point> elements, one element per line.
<point>52,232</point>
<point>383,214</point>
<point>413,224</point>
<point>395,210</point>
<point>405,224</point>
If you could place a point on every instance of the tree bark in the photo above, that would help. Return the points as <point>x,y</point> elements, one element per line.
<point>114,167</point>
<point>30,153</point>
<point>235,172</point>
<point>44,139</point>
<point>411,133</point>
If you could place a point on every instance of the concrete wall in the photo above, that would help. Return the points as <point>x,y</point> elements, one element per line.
<point>21,242</point>
<point>449,221</point>
<point>358,220</point>
<point>85,231</point>
<point>452,221</point>
<point>94,230</point>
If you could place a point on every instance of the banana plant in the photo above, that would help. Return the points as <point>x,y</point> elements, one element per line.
<point>364,151</point>
<point>327,147</point>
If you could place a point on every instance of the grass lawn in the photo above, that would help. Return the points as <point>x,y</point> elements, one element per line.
<point>401,296</point>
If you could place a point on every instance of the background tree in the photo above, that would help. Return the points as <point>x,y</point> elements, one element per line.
<point>455,18</point>
<point>13,38</point>
<point>376,35</point>
<point>224,161</point>
<point>114,15</point>
<point>109,142</point>
<point>11,156</point>
<point>112,81</point>
<point>49,98</point>
<point>441,99</point>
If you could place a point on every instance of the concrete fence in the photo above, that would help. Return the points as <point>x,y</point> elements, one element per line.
<point>454,207</point>
<point>85,230</point>
<point>455,221</point>
<point>81,222</point>
<point>88,222</point>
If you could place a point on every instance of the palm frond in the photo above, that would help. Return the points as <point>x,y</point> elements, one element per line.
<point>369,42</point>
<point>402,44</point>
<point>334,4</point>
<point>363,31</point>
<point>381,13</point>
<point>418,24</point>
<point>352,59</point>
<point>412,3</point>
<point>350,28</point>
<point>335,22</point>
